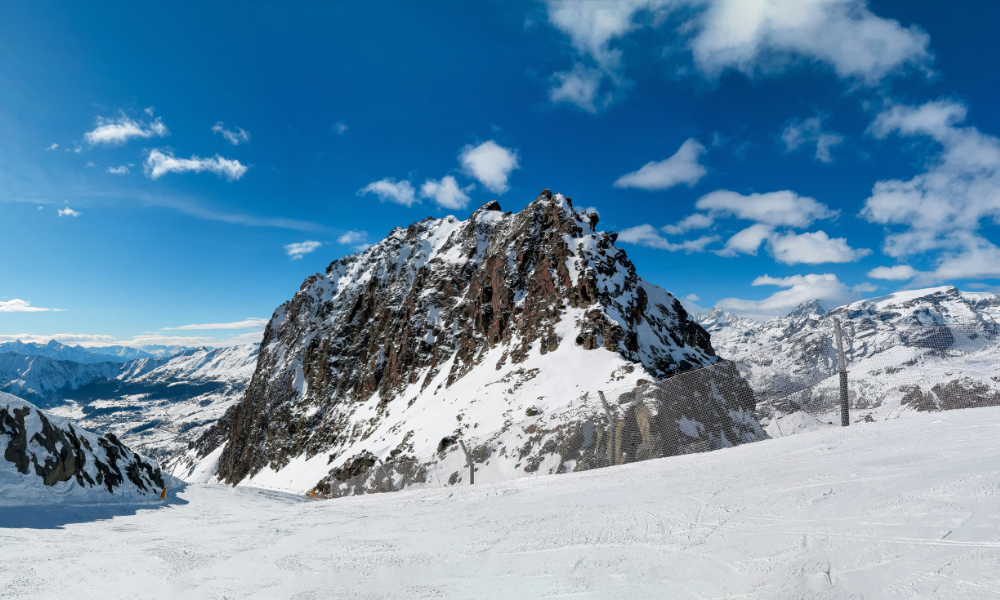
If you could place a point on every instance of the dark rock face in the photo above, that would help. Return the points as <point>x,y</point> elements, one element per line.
<point>38,447</point>
<point>432,299</point>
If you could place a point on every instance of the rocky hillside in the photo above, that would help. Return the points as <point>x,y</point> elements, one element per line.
<point>928,349</point>
<point>47,459</point>
<point>449,328</point>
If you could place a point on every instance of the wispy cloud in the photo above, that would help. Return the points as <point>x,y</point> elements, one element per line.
<point>352,237</point>
<point>400,192</point>
<point>83,339</point>
<point>340,127</point>
<point>809,132</point>
<point>300,249</point>
<point>754,38</point>
<point>799,288</point>
<point>52,147</point>
<point>119,170</point>
<point>235,136</point>
<point>646,235</point>
<point>245,324</point>
<point>159,163</point>
<point>114,132</point>
<point>944,208</point>
<point>68,212</point>
<point>17,305</point>
<point>682,167</point>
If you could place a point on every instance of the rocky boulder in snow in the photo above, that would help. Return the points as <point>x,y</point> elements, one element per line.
<point>46,459</point>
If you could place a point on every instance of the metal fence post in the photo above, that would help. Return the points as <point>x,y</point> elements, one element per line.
<point>845,415</point>
<point>472,467</point>
<point>611,429</point>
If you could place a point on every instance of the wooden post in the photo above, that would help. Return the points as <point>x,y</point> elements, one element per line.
<point>472,467</point>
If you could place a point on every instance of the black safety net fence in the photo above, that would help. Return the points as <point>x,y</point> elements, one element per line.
<point>775,388</point>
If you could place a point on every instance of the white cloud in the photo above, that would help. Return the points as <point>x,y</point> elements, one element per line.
<point>754,36</point>
<point>810,131</point>
<point>813,249</point>
<point>769,212</point>
<point>646,235</point>
<point>17,305</point>
<point>300,249</point>
<point>747,241</point>
<point>680,168</point>
<point>115,132</point>
<point>67,212</point>
<point>791,248</point>
<point>896,273</point>
<point>340,127</point>
<point>401,192</point>
<point>692,221</point>
<point>784,208</point>
<point>943,208</point>
<point>352,237</point>
<point>691,297</point>
<point>119,170</point>
<point>801,288</point>
<point>490,163</point>
<point>148,110</point>
<point>578,86</point>
<point>159,163</point>
<point>235,136</point>
<point>245,324</point>
<point>750,36</point>
<point>52,147</point>
<point>446,192</point>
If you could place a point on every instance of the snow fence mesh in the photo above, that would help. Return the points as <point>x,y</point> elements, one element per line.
<point>757,396</point>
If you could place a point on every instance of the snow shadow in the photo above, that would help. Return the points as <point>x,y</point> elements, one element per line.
<point>56,516</point>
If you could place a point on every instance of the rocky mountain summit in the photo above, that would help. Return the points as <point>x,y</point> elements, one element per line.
<point>447,329</point>
<point>46,459</point>
<point>928,349</point>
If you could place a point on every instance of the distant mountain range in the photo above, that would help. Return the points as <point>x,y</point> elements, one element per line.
<point>927,349</point>
<point>157,405</point>
<point>79,354</point>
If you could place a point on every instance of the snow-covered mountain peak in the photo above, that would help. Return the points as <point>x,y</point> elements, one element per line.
<point>806,310</point>
<point>449,322</point>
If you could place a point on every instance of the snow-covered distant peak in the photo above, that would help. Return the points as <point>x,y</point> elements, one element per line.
<point>813,308</point>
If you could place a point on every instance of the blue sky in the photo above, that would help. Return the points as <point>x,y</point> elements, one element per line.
<point>171,174</point>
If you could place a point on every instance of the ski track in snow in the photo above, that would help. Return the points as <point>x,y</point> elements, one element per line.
<point>908,508</point>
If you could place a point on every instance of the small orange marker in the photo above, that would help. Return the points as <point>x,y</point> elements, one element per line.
<point>163,494</point>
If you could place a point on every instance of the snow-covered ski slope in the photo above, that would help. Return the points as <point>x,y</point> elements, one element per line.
<point>907,508</point>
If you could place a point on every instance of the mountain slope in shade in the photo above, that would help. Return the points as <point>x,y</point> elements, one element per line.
<point>451,328</point>
<point>916,350</point>
<point>48,460</point>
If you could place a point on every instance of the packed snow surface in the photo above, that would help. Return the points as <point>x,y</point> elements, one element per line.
<point>907,508</point>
